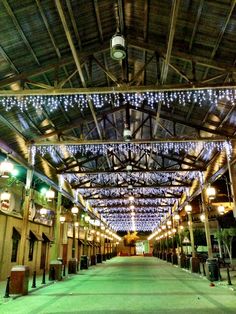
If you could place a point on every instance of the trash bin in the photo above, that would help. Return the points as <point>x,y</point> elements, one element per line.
<point>72,266</point>
<point>55,270</point>
<point>99,258</point>
<point>104,257</point>
<point>181,260</point>
<point>84,262</point>
<point>174,259</point>
<point>19,280</point>
<point>212,269</point>
<point>194,264</point>
<point>93,259</point>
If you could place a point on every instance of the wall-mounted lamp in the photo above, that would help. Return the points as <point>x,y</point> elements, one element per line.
<point>211,192</point>
<point>6,168</point>
<point>221,209</point>
<point>74,210</point>
<point>62,219</point>
<point>188,208</point>
<point>50,195</point>
<point>202,217</point>
<point>5,196</point>
<point>86,218</point>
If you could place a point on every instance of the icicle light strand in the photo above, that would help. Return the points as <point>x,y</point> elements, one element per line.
<point>80,101</point>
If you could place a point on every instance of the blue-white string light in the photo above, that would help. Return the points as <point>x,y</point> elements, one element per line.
<point>136,148</point>
<point>199,97</point>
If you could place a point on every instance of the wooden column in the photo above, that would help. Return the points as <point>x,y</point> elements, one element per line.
<point>190,223</point>
<point>26,207</point>
<point>205,204</point>
<point>56,247</point>
<point>232,179</point>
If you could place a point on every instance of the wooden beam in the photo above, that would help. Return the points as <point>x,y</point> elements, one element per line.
<point>115,89</point>
<point>137,141</point>
<point>108,73</point>
<point>107,171</point>
<point>174,14</point>
<point>109,187</point>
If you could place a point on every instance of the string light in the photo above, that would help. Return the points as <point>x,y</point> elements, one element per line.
<point>199,97</point>
<point>137,202</point>
<point>135,148</point>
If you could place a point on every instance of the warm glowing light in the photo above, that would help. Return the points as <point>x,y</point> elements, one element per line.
<point>74,210</point>
<point>6,168</point>
<point>86,218</point>
<point>188,208</point>
<point>131,207</point>
<point>202,217</point>
<point>211,192</point>
<point>221,209</point>
<point>43,211</point>
<point>76,224</point>
<point>131,198</point>
<point>50,195</point>
<point>163,227</point>
<point>5,196</point>
<point>169,223</point>
<point>62,219</point>
<point>176,217</point>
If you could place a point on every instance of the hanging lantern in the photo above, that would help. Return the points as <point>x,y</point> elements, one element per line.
<point>118,47</point>
<point>6,168</point>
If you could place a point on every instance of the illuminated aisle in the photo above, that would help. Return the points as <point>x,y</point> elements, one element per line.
<point>128,285</point>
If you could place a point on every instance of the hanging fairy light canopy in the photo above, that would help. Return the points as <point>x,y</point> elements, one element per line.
<point>137,208</point>
<point>147,177</point>
<point>199,97</point>
<point>136,201</point>
<point>136,148</point>
<point>145,191</point>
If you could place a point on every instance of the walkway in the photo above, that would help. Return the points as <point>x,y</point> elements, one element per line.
<point>127,285</point>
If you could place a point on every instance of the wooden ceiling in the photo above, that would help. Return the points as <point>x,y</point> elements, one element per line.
<point>50,49</point>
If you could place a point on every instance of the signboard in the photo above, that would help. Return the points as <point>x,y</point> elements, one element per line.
<point>186,240</point>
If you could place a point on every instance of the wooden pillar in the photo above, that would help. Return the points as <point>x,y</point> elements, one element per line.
<point>232,180</point>
<point>26,207</point>
<point>56,247</point>
<point>205,202</point>
<point>190,223</point>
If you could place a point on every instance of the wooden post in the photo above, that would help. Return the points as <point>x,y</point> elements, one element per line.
<point>26,207</point>
<point>56,248</point>
<point>232,180</point>
<point>206,222</point>
<point>190,221</point>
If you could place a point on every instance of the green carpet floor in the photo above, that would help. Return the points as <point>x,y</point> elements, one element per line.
<point>128,285</point>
